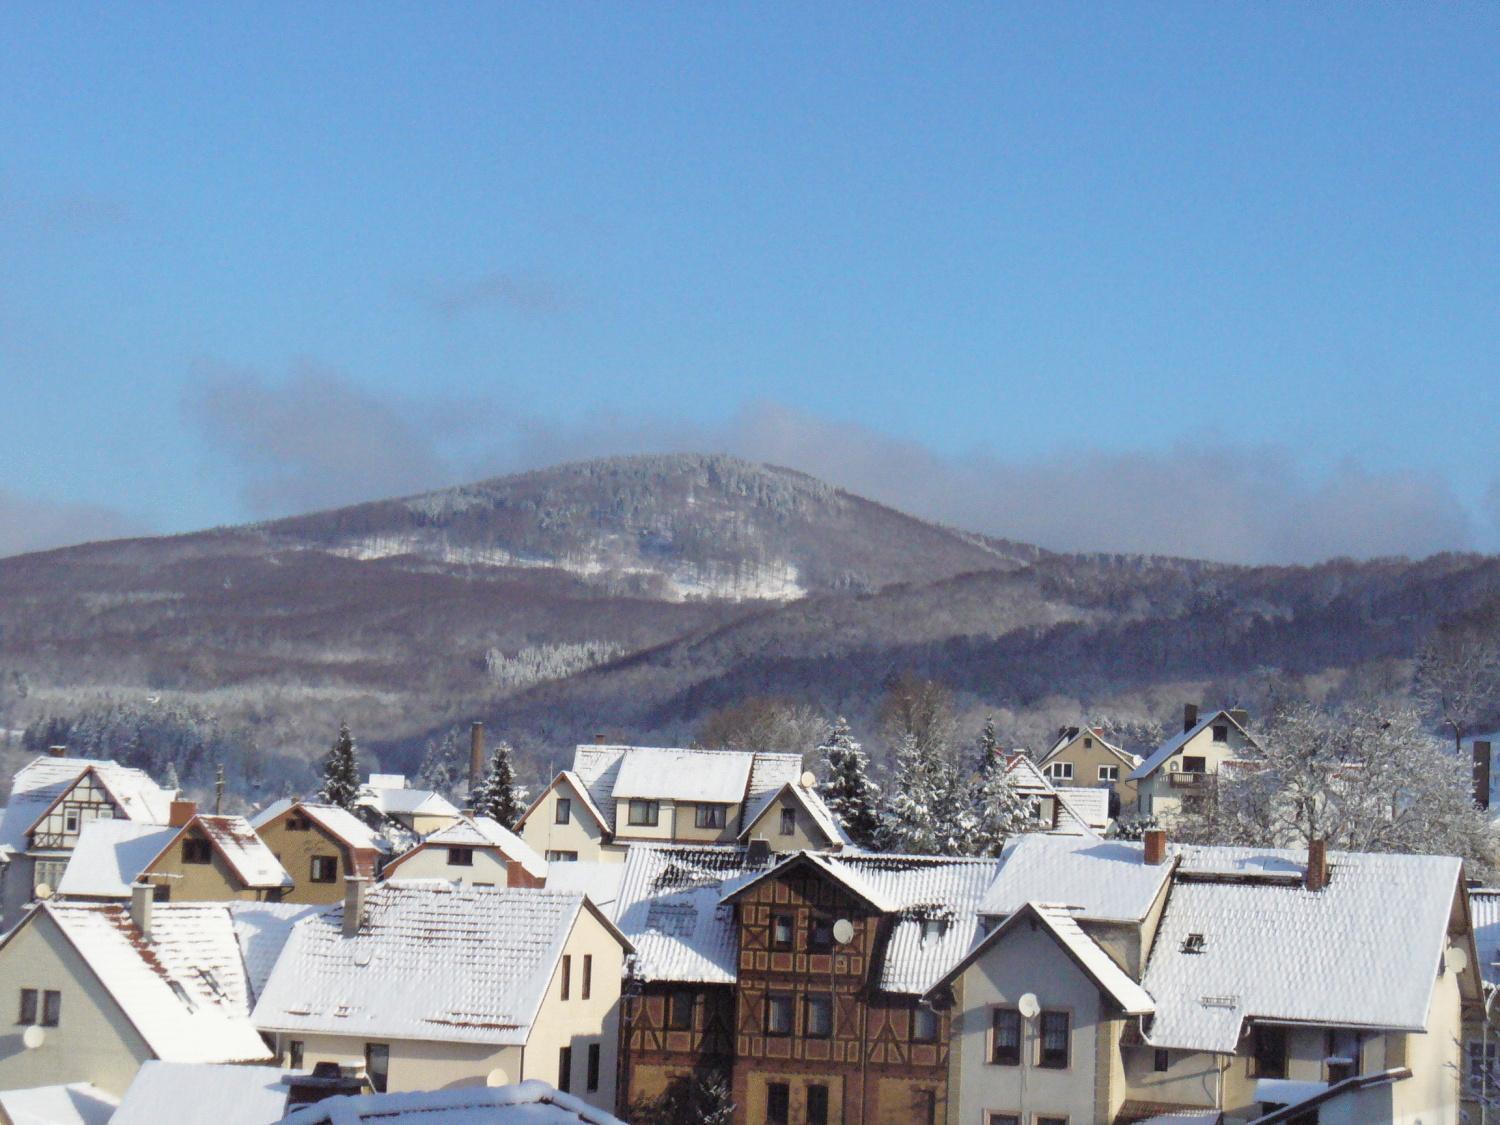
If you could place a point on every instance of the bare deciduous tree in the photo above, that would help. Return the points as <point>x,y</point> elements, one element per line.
<point>1458,676</point>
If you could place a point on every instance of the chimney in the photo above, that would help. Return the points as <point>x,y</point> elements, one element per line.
<point>758,852</point>
<point>598,740</point>
<point>1239,715</point>
<point>476,755</point>
<point>1482,760</point>
<point>1189,716</point>
<point>57,751</point>
<point>1317,865</point>
<point>1156,847</point>
<point>142,898</point>
<point>181,812</point>
<point>354,903</point>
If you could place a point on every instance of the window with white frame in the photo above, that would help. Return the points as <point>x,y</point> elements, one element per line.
<point>1109,773</point>
<point>1060,771</point>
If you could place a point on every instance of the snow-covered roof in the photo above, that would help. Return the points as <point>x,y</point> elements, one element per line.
<point>669,907</point>
<point>812,803</point>
<point>340,823</point>
<point>481,832</point>
<point>40,782</point>
<point>261,928</point>
<point>1069,735</point>
<point>598,879</point>
<point>109,855</point>
<point>432,961</point>
<point>399,800</point>
<point>1131,998</point>
<point>1158,756</point>
<point>223,1094</point>
<point>611,773</point>
<point>1025,775</point>
<point>529,1103</point>
<point>769,772</point>
<point>184,990</point>
<point>1239,940</point>
<point>387,781</point>
<point>1103,880</point>
<point>78,1103</point>
<point>246,853</point>
<point>1091,806</point>
<point>1484,905</point>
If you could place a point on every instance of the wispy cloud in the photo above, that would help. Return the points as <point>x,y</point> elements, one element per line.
<point>32,524</point>
<point>529,295</point>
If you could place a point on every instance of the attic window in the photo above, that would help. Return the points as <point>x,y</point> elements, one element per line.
<point>1193,943</point>
<point>181,994</point>
<point>934,928</point>
<point>297,824</point>
<point>1221,734</point>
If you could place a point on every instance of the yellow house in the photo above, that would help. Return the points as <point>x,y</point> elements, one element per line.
<point>419,811</point>
<point>1082,757</point>
<point>101,988</point>
<point>795,819</point>
<point>436,986</point>
<point>319,846</point>
<point>475,852</point>
<point>1180,771</point>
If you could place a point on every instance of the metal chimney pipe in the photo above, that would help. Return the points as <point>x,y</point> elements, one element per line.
<point>476,755</point>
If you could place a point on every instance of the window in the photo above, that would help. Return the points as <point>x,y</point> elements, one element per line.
<point>778,1014</point>
<point>817,1104</point>
<point>1060,771</point>
<point>924,1107</point>
<point>710,816</point>
<point>562,812</point>
<point>561,857</point>
<point>1194,943</point>
<point>1161,1060</point>
<point>1005,1036</point>
<point>294,1054</point>
<point>1109,773</point>
<point>1194,763</point>
<point>28,1006</point>
<point>460,857</point>
<point>934,928</point>
<point>820,934</point>
<point>1049,1119</point>
<point>1054,1052</point>
<point>1483,1080</point>
<point>378,1065</point>
<point>644,814</point>
<point>1088,743</point>
<point>818,1017</point>
<point>484,886</point>
<point>993,1118</point>
<point>50,872</point>
<point>781,931</point>
<point>924,1024</point>
<point>592,1082</point>
<point>565,1069</point>
<point>325,869</point>
<point>1221,734</point>
<point>588,974</point>
<point>298,824</point>
<point>1269,1051</point>
<point>788,822</point>
<point>680,1011</point>
<point>778,1103</point>
<point>1342,1051</point>
<point>195,850</point>
<point>70,820</point>
<point>567,974</point>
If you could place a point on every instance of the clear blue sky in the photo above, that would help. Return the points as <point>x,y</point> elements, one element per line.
<point>994,247</point>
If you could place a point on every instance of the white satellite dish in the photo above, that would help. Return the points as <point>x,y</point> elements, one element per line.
<point>1028,1006</point>
<point>43,890</point>
<point>1457,958</point>
<point>33,1037</point>
<point>809,779</point>
<point>497,1077</point>
<point>843,931</point>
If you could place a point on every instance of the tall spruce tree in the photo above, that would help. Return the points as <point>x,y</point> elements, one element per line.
<point>341,772</point>
<point>498,796</point>
<point>1000,809</point>
<point>848,790</point>
<point>929,812</point>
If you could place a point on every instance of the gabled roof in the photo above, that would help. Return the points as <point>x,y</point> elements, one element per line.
<point>1363,952</point>
<point>585,797</point>
<point>480,832</point>
<point>1059,922</point>
<point>109,855</point>
<point>262,929</point>
<point>1158,756</point>
<point>1103,880</point>
<point>432,961</point>
<point>243,850</point>
<point>343,825</point>
<point>216,1092</point>
<point>1090,806</point>
<point>532,1102</point>
<point>184,990</point>
<point>43,781</point>
<point>1072,734</point>
<point>812,803</point>
<point>78,1103</point>
<point>399,800</point>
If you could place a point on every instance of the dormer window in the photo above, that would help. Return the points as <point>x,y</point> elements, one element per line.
<point>934,928</point>
<point>1193,943</point>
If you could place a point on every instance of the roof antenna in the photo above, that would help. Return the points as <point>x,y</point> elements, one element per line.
<point>219,790</point>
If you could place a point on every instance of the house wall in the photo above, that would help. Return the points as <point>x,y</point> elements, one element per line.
<point>1086,761</point>
<point>415,1064</point>
<point>214,881</point>
<point>425,825</point>
<point>658,1054</point>
<point>1192,1078</point>
<point>806,836</point>
<point>430,861</point>
<point>93,1042</point>
<point>582,834</point>
<point>1158,796</point>
<point>660,832</point>
<point>1436,1060</point>
<point>1027,959</point>
<point>295,850</point>
<point>685,829</point>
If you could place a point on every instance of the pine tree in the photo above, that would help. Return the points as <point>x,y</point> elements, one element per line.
<point>847,789</point>
<point>341,772</point>
<point>929,813</point>
<point>987,747</point>
<point>497,795</point>
<point>1000,809</point>
<point>170,780</point>
<point>444,765</point>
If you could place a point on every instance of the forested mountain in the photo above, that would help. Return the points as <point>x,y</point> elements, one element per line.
<point>636,595</point>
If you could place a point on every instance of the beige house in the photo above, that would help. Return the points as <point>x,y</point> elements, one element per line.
<point>389,797</point>
<point>437,986</point>
<point>319,846</point>
<point>618,795</point>
<point>1181,770</point>
<point>1082,757</point>
<point>474,852</point>
<point>99,989</point>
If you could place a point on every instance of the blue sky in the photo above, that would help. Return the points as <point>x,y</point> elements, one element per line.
<point>1083,274</point>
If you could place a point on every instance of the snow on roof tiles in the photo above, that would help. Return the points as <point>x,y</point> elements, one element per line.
<point>811,803</point>
<point>1154,761</point>
<point>486,832</point>
<point>109,855</point>
<point>254,863</point>
<point>1364,951</point>
<point>223,1094</point>
<point>262,928</point>
<point>1484,903</point>
<point>769,772</point>
<point>79,1103</point>
<point>529,1103</point>
<point>390,801</point>
<point>598,880</point>
<point>1104,880</point>
<point>40,782</point>
<point>432,961</point>
<point>611,773</point>
<point>184,990</point>
<point>1090,805</point>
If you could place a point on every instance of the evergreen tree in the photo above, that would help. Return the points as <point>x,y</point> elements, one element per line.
<point>1000,809</point>
<point>444,766</point>
<point>497,795</point>
<point>987,746</point>
<point>847,789</point>
<point>929,813</point>
<point>170,780</point>
<point>341,772</point>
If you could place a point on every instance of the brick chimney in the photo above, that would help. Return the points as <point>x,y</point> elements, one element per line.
<point>57,751</point>
<point>1482,760</point>
<point>181,812</point>
<point>598,740</point>
<point>354,903</point>
<point>1239,715</point>
<point>142,898</point>
<point>1317,865</point>
<point>476,755</point>
<point>1189,716</point>
<point>1156,847</point>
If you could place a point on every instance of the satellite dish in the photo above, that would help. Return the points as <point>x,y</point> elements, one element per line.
<point>843,931</point>
<point>809,779</point>
<point>497,1077</point>
<point>33,1037</point>
<point>43,890</point>
<point>1028,1006</point>
<point>1457,958</point>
